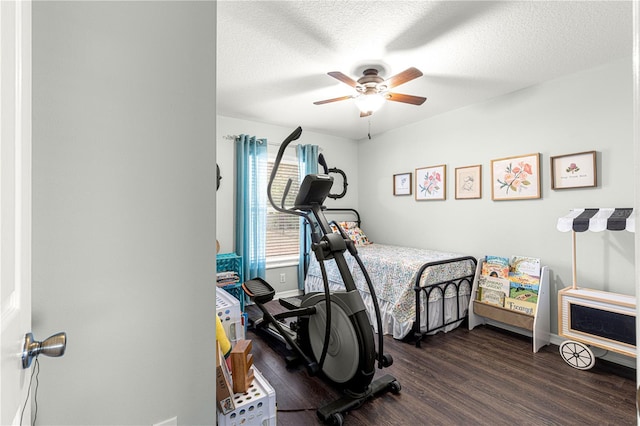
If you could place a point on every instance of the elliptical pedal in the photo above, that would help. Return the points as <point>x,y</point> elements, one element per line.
<point>291,302</point>
<point>258,290</point>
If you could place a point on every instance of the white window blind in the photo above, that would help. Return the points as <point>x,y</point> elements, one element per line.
<point>283,237</point>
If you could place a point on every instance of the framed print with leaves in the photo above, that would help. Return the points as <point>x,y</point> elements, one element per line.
<point>515,178</point>
<point>468,182</point>
<point>573,170</point>
<point>402,184</point>
<point>431,183</point>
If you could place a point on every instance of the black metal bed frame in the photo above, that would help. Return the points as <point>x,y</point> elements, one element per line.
<point>442,287</point>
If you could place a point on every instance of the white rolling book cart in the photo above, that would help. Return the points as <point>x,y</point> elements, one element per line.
<point>593,317</point>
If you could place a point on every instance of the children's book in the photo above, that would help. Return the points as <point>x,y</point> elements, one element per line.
<point>493,290</point>
<point>525,294</point>
<point>521,306</point>
<point>524,275</point>
<point>496,266</point>
<point>524,270</point>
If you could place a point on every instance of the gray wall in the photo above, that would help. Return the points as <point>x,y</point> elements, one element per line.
<point>124,210</point>
<point>590,110</point>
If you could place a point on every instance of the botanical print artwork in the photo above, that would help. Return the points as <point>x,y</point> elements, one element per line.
<point>515,177</point>
<point>430,183</point>
<point>573,170</point>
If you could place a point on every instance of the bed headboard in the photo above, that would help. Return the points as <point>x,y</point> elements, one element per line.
<point>336,211</point>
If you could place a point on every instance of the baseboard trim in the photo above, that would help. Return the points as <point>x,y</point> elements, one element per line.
<point>288,293</point>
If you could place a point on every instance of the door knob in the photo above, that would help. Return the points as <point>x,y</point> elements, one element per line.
<point>53,346</point>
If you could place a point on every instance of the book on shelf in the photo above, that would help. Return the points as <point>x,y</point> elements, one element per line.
<point>493,290</point>
<point>523,293</point>
<point>524,270</point>
<point>524,307</point>
<point>496,266</point>
<point>524,275</point>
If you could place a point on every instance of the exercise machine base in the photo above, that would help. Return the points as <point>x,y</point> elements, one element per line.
<point>333,412</point>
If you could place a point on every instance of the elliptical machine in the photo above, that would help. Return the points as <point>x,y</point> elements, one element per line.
<point>332,334</point>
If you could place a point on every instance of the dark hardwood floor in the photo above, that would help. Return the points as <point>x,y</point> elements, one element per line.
<point>486,376</point>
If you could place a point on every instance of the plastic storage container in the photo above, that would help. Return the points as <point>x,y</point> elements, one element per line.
<point>228,309</point>
<point>256,407</point>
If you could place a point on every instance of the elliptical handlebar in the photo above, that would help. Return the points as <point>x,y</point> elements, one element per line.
<point>292,137</point>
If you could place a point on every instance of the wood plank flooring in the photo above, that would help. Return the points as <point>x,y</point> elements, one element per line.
<point>486,376</point>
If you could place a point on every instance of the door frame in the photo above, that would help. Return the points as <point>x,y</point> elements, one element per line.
<point>15,206</point>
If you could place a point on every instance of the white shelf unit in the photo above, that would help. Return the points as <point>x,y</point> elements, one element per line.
<point>538,325</point>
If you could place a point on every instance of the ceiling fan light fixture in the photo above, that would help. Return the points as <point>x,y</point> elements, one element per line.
<point>369,102</point>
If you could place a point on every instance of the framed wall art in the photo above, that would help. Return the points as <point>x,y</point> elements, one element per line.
<point>574,170</point>
<point>515,178</point>
<point>468,182</point>
<point>402,184</point>
<point>431,183</point>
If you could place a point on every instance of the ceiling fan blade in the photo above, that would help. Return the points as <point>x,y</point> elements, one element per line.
<point>343,78</point>
<point>405,76</point>
<point>407,99</point>
<point>366,114</point>
<point>326,101</point>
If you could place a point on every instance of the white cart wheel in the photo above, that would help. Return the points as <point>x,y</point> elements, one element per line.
<point>577,355</point>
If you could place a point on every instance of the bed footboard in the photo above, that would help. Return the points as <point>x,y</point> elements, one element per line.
<point>458,283</point>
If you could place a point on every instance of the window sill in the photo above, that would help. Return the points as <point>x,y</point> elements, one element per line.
<point>282,262</point>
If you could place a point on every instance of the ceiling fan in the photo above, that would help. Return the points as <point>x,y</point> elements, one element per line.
<point>372,90</point>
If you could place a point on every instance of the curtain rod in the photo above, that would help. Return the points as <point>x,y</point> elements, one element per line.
<point>293,145</point>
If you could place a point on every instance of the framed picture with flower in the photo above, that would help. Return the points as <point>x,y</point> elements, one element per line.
<point>515,178</point>
<point>573,170</point>
<point>402,184</point>
<point>431,183</point>
<point>468,182</point>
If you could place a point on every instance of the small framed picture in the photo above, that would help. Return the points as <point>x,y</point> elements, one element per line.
<point>469,182</point>
<point>515,178</point>
<point>431,183</point>
<point>574,170</point>
<point>402,184</point>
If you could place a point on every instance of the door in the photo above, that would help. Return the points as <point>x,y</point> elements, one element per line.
<point>15,205</point>
<point>636,136</point>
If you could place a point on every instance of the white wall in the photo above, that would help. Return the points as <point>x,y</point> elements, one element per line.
<point>124,210</point>
<point>590,110</point>
<point>339,152</point>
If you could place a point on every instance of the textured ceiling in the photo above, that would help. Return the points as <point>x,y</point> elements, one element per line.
<point>273,56</point>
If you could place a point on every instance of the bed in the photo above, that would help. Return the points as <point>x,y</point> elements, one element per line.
<point>420,291</point>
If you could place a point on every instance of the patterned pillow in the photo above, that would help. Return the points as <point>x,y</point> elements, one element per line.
<point>354,232</point>
<point>358,236</point>
<point>348,225</point>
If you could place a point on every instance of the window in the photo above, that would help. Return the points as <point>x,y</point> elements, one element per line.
<point>283,236</point>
